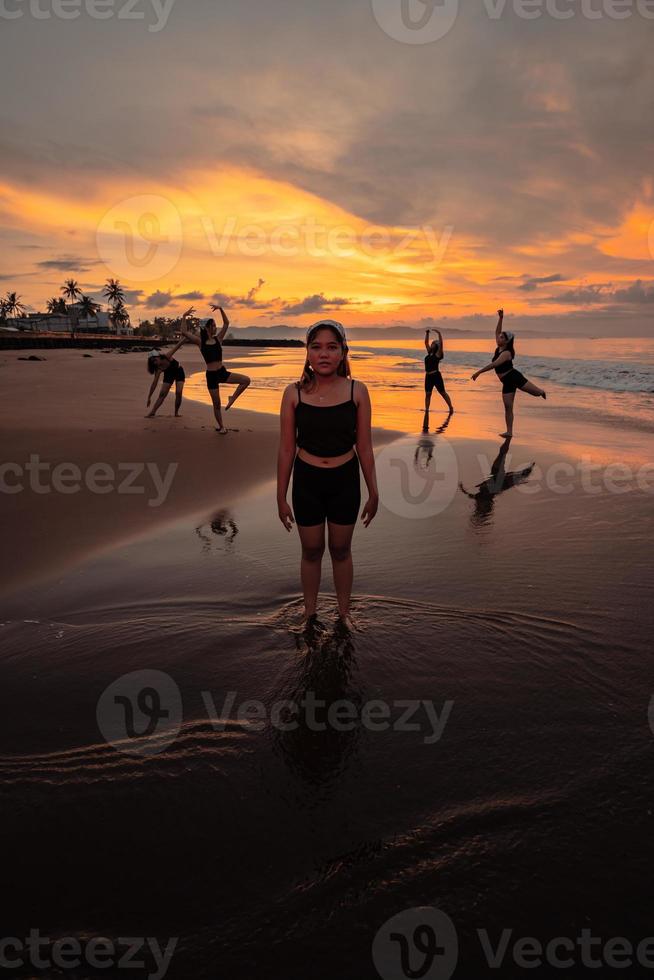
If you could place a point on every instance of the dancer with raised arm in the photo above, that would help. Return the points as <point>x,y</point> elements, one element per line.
<point>433,376</point>
<point>173,374</point>
<point>512,380</point>
<point>210,343</point>
<point>324,417</point>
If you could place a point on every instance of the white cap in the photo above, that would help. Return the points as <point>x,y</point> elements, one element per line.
<point>328,323</point>
<point>154,353</point>
<point>508,334</point>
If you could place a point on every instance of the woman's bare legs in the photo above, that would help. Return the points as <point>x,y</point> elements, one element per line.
<point>215,398</point>
<point>340,542</point>
<point>179,393</point>
<point>313,548</point>
<point>242,381</point>
<point>533,389</point>
<point>446,398</point>
<point>508,400</point>
<point>159,402</point>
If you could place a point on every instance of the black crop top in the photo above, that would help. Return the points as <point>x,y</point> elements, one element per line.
<point>505,365</point>
<point>433,362</point>
<point>210,352</point>
<point>330,430</point>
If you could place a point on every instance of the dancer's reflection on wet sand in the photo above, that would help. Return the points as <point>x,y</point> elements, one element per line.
<point>221,525</point>
<point>425,448</point>
<point>496,483</point>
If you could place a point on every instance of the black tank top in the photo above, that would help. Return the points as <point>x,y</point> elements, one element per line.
<point>326,431</point>
<point>210,352</point>
<point>505,366</point>
<point>433,362</point>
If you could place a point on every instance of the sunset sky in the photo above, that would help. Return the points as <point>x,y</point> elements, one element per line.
<point>291,159</point>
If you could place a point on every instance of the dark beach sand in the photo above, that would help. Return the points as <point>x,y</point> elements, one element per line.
<point>282,853</point>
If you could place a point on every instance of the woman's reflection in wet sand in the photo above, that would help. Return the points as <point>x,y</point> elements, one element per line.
<point>496,483</point>
<point>319,727</point>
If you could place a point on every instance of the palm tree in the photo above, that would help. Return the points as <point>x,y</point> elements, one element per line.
<point>120,316</point>
<point>71,291</point>
<point>88,308</point>
<point>57,306</point>
<point>12,306</point>
<point>113,293</point>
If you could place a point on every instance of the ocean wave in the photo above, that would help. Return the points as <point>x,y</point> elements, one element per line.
<point>633,376</point>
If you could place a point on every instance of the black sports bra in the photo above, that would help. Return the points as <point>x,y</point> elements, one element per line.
<point>505,365</point>
<point>329,430</point>
<point>432,362</point>
<point>210,352</point>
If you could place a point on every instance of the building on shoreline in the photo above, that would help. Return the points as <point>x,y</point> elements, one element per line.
<point>71,322</point>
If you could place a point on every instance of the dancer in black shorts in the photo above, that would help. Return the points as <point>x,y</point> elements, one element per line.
<point>324,417</point>
<point>511,379</point>
<point>210,344</point>
<point>433,376</point>
<point>173,374</point>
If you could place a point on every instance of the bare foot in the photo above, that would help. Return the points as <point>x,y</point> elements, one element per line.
<point>346,622</point>
<point>506,435</point>
<point>223,431</point>
<point>230,402</point>
<point>544,395</point>
<point>150,416</point>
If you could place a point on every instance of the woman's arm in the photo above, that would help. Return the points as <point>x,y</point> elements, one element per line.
<point>225,326</point>
<point>441,350</point>
<point>427,340</point>
<point>286,455</point>
<point>502,359</point>
<point>185,331</point>
<point>171,353</point>
<point>500,323</point>
<point>365,453</point>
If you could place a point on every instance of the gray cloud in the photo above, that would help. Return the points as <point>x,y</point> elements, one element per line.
<point>158,300</point>
<point>71,264</point>
<point>530,285</point>
<point>637,293</point>
<point>249,301</point>
<point>317,303</point>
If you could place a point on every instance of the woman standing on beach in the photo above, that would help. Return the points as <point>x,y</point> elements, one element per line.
<point>210,344</point>
<point>433,376</point>
<point>511,379</point>
<point>324,416</point>
<point>173,373</point>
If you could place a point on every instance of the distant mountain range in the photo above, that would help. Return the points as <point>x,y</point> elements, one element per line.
<point>285,332</point>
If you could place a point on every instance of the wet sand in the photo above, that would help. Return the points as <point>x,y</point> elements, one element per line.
<point>85,411</point>
<point>511,583</point>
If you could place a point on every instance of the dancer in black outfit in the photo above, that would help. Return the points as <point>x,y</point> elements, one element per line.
<point>511,379</point>
<point>324,417</point>
<point>210,343</point>
<point>433,376</point>
<point>173,374</point>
